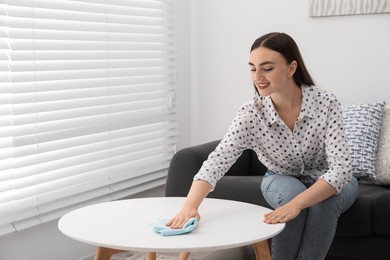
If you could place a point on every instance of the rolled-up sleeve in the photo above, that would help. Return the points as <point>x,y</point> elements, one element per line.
<point>228,150</point>
<point>339,171</point>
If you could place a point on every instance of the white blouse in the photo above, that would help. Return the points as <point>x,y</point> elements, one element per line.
<point>316,148</point>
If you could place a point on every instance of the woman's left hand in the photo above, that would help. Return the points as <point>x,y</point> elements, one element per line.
<point>316,193</point>
<point>282,214</point>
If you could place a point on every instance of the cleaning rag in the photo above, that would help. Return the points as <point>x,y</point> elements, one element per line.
<point>159,226</point>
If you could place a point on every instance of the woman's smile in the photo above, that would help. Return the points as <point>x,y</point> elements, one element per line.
<point>262,85</point>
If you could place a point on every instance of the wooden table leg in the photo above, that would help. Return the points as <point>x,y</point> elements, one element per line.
<point>104,253</point>
<point>152,256</point>
<point>262,250</point>
<point>183,255</point>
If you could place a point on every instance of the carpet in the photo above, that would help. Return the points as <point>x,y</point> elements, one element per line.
<point>160,256</point>
<point>241,253</point>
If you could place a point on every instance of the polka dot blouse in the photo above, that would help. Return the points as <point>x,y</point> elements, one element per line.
<point>316,148</point>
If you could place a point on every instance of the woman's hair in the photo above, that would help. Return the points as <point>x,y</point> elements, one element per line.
<point>286,46</point>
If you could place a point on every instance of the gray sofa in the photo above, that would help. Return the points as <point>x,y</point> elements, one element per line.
<point>363,231</point>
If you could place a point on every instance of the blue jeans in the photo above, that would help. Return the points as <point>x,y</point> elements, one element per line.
<point>308,236</point>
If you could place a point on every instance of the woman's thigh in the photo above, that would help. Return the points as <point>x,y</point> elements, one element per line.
<point>280,189</point>
<point>339,202</point>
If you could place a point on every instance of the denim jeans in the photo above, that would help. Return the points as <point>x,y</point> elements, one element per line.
<point>310,234</point>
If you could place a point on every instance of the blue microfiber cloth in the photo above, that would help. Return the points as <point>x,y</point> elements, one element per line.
<point>159,226</point>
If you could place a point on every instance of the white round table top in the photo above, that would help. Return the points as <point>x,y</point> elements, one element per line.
<point>125,225</point>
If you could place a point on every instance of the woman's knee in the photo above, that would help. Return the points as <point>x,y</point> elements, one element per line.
<point>280,189</point>
<point>337,204</point>
<point>349,194</point>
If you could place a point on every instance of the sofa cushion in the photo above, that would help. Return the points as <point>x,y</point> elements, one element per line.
<point>247,163</point>
<point>240,188</point>
<point>358,219</point>
<point>383,155</point>
<point>362,129</point>
<point>381,214</point>
<point>360,248</point>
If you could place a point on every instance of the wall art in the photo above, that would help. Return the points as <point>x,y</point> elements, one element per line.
<point>318,8</point>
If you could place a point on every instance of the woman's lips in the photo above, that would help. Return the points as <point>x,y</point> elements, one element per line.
<point>262,85</point>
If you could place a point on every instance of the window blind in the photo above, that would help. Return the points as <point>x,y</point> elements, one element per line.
<point>87,104</point>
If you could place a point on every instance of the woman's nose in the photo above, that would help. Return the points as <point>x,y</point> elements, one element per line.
<point>259,76</point>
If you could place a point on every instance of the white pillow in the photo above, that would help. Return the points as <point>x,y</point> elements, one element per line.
<point>383,154</point>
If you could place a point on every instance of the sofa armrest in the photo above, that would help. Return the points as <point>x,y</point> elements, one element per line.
<point>187,162</point>
<point>183,167</point>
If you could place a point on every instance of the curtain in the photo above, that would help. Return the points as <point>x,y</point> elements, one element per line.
<point>87,104</point>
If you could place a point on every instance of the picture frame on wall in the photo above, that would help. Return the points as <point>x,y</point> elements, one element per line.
<point>320,8</point>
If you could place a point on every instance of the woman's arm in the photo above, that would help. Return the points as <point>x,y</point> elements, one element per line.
<point>198,191</point>
<point>232,145</point>
<point>316,193</point>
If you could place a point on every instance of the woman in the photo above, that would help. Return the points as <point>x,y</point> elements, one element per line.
<point>296,130</point>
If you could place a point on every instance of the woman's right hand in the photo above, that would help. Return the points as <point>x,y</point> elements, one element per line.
<point>198,191</point>
<point>182,217</point>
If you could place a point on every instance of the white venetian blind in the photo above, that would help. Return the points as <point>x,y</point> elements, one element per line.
<point>87,110</point>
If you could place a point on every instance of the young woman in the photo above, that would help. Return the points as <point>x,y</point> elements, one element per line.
<point>296,129</point>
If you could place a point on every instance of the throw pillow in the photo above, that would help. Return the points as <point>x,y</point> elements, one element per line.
<point>383,155</point>
<point>362,128</point>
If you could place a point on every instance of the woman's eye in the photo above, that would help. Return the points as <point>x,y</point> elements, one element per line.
<point>267,69</point>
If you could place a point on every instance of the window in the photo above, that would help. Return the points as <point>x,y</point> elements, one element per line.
<point>87,104</point>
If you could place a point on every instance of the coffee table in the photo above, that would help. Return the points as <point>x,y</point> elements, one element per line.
<point>125,225</point>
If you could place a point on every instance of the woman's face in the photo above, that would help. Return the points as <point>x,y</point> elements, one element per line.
<point>270,71</point>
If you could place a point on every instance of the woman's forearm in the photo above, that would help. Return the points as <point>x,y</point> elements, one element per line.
<point>319,191</point>
<point>198,191</point>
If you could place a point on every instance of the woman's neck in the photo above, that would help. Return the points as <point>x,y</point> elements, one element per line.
<point>289,99</point>
<point>288,105</point>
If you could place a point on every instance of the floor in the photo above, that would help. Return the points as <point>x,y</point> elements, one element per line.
<point>242,253</point>
<point>246,253</point>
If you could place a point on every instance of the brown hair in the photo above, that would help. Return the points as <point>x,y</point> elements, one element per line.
<point>286,46</point>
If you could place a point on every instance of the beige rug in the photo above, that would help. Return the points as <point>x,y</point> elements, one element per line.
<point>241,253</point>
<point>160,256</point>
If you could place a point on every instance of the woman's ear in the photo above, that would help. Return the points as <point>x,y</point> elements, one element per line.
<point>292,68</point>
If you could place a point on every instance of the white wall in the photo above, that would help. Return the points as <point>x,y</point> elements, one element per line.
<point>43,242</point>
<point>348,55</point>
<point>46,242</point>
